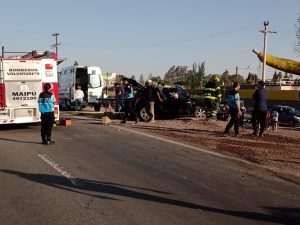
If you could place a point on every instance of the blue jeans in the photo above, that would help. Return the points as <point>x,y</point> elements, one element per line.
<point>78,104</point>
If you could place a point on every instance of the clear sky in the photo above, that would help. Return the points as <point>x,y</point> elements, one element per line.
<point>141,37</point>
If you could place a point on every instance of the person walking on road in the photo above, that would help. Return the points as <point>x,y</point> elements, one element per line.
<point>233,100</point>
<point>259,114</point>
<point>46,102</point>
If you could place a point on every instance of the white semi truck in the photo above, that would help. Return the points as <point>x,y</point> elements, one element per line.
<point>88,77</point>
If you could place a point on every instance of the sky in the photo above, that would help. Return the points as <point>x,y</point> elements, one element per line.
<point>134,37</point>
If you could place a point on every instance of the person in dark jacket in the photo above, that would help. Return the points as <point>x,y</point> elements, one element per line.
<point>260,109</point>
<point>152,96</point>
<point>46,107</point>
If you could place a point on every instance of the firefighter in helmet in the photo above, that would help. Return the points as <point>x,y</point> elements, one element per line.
<point>212,96</point>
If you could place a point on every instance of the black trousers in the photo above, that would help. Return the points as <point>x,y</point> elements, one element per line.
<point>234,120</point>
<point>47,120</point>
<point>128,108</point>
<point>259,118</point>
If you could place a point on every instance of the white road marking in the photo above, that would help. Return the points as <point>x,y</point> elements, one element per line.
<point>59,169</point>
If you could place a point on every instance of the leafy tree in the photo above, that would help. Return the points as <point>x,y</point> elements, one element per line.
<point>196,76</point>
<point>176,74</point>
<point>226,79</point>
<point>251,79</point>
<point>239,78</point>
<point>132,77</point>
<point>275,76</point>
<point>156,79</point>
<point>286,75</point>
<point>119,78</point>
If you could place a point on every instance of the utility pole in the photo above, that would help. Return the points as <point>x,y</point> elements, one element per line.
<point>236,73</point>
<point>56,44</point>
<point>265,32</point>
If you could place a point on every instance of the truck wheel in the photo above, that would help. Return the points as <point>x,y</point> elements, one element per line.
<point>97,107</point>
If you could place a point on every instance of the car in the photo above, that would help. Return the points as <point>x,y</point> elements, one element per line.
<point>287,115</point>
<point>178,103</point>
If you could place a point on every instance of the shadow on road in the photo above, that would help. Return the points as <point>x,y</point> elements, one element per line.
<point>277,215</point>
<point>14,140</point>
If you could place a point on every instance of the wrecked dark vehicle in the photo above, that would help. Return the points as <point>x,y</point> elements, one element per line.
<point>177,103</point>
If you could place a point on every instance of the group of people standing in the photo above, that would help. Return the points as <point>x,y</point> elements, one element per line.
<point>125,101</point>
<point>259,114</point>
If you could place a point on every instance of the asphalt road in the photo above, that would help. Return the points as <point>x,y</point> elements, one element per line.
<point>100,174</point>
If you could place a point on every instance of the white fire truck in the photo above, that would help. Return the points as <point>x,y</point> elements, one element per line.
<point>21,81</point>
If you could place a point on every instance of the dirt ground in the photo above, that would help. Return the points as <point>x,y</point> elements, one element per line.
<point>278,152</point>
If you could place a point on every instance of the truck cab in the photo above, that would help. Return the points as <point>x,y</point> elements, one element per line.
<point>88,77</point>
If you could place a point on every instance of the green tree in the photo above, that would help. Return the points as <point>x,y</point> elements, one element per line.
<point>286,75</point>
<point>119,78</point>
<point>176,74</point>
<point>251,79</point>
<point>156,79</point>
<point>196,76</point>
<point>225,78</point>
<point>275,76</point>
<point>239,78</point>
<point>132,77</point>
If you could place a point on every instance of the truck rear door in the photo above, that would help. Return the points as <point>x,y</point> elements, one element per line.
<point>23,81</point>
<point>95,84</point>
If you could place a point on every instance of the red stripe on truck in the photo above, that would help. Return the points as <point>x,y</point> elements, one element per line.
<point>2,96</point>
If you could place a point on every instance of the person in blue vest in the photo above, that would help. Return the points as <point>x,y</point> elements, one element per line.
<point>233,101</point>
<point>46,102</point>
<point>129,100</point>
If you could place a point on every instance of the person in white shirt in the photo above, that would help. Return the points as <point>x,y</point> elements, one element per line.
<point>78,96</point>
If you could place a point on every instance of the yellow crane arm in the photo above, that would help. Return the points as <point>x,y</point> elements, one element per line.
<point>285,65</point>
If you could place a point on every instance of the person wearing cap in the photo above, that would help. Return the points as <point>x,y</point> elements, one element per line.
<point>152,95</point>
<point>46,102</point>
<point>212,97</point>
